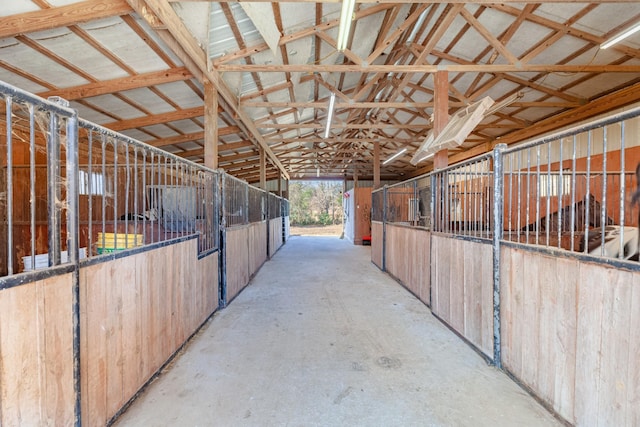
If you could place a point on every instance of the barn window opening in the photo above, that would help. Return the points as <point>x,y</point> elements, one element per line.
<point>91,183</point>
<point>551,185</point>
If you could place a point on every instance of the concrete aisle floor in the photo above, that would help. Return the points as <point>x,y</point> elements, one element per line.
<point>321,337</point>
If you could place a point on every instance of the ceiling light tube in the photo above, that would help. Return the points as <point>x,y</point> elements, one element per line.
<point>332,101</point>
<point>621,36</point>
<point>346,16</point>
<point>427,157</point>
<point>395,156</point>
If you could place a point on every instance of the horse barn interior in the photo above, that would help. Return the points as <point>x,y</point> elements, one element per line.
<point>489,154</point>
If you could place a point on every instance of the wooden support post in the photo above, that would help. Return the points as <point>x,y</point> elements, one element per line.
<point>441,114</point>
<point>263,169</point>
<point>210,125</point>
<point>355,177</point>
<point>376,165</point>
<point>279,184</point>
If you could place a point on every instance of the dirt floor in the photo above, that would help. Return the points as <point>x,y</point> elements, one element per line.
<point>316,230</point>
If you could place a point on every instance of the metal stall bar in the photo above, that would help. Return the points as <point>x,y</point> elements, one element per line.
<point>622,190</point>
<point>9,142</point>
<point>498,218</point>
<point>385,191</point>
<point>53,191</point>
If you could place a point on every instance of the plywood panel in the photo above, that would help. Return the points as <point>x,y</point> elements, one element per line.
<point>376,243</point>
<point>237,260</point>
<point>36,349</point>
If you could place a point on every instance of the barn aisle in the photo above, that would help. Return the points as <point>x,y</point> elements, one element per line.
<point>321,337</point>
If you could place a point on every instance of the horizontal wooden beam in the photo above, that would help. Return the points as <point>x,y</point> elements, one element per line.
<point>344,105</point>
<point>178,139</point>
<point>121,84</point>
<point>62,16</point>
<point>234,146</point>
<point>156,119</point>
<point>417,126</point>
<point>408,104</point>
<point>400,69</point>
<point>198,152</point>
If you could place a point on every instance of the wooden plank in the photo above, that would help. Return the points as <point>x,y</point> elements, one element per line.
<point>633,385</point>
<point>150,120</point>
<point>57,370</point>
<point>444,278</point>
<point>564,339</point>
<point>506,306</point>
<point>513,319</point>
<point>472,295</point>
<point>20,341</point>
<point>592,282</point>
<point>435,280</point>
<point>131,325</point>
<point>237,260</point>
<point>112,322</point>
<point>143,284</point>
<point>486,330</point>
<point>548,327</point>
<point>424,68</point>
<point>94,344</point>
<point>36,350</point>
<point>531,320</point>
<point>376,243</point>
<point>62,16</point>
<point>457,279</point>
<point>613,405</point>
<point>119,85</point>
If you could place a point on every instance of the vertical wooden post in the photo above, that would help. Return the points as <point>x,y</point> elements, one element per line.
<point>279,183</point>
<point>210,125</point>
<point>376,165</point>
<point>355,177</point>
<point>263,169</point>
<point>441,114</point>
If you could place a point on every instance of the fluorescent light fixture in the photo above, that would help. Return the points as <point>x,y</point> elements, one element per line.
<point>427,157</point>
<point>621,36</point>
<point>346,16</point>
<point>395,156</point>
<point>332,101</point>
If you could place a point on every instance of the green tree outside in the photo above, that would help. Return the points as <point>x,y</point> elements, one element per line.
<point>315,202</point>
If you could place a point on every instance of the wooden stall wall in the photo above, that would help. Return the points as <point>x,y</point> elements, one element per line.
<point>36,353</point>
<point>275,235</point>
<point>237,247</point>
<point>376,243</point>
<point>568,333</point>
<point>287,228</point>
<point>408,259</point>
<point>462,288</point>
<point>257,247</point>
<point>136,312</point>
